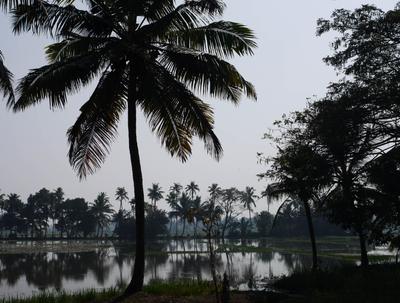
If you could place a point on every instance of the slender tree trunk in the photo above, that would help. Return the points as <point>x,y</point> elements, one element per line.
<point>363,248</point>
<point>195,229</point>
<point>212,265</point>
<point>312,235</point>
<point>184,226</point>
<point>136,284</point>
<point>176,226</point>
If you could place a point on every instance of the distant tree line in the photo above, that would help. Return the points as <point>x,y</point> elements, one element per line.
<point>48,214</point>
<point>341,154</point>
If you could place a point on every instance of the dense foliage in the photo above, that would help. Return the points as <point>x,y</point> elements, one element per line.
<point>341,154</point>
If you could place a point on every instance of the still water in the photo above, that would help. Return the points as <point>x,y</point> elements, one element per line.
<point>30,269</point>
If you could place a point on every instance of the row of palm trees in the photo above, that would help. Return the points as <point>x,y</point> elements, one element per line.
<point>187,206</point>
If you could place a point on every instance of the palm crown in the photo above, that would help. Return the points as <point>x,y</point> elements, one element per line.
<point>158,51</point>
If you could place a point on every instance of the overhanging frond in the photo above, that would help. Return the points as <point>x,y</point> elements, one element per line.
<point>222,38</point>
<point>6,87</point>
<point>57,80</point>
<point>207,74</point>
<point>176,114</point>
<point>96,127</point>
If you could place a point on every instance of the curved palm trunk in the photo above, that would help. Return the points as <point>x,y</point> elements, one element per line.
<point>312,235</point>
<point>136,284</point>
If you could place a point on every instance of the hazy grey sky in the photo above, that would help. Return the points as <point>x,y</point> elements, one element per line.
<point>286,69</point>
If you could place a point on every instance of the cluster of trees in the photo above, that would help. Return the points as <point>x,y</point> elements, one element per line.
<point>48,214</point>
<point>341,154</point>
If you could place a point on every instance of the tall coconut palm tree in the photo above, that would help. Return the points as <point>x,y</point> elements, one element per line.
<point>172,200</point>
<point>6,82</point>
<point>184,210</point>
<point>197,210</point>
<point>147,54</point>
<point>155,194</point>
<point>301,173</point>
<point>121,195</point>
<point>102,210</point>
<point>215,192</point>
<point>191,189</point>
<point>176,188</point>
<point>247,198</point>
<point>265,194</point>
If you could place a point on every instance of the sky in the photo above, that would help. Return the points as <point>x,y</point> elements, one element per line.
<point>287,68</point>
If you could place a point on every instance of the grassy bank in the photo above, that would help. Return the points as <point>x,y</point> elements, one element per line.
<point>92,296</point>
<point>378,283</point>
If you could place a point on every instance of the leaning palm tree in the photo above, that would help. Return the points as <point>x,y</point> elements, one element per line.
<point>147,54</point>
<point>6,82</point>
<point>121,195</point>
<point>191,189</point>
<point>155,193</point>
<point>247,198</point>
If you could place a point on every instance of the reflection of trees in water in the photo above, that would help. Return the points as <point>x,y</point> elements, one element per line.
<point>47,270</point>
<point>295,262</point>
<point>153,262</point>
<point>11,269</point>
<point>191,266</point>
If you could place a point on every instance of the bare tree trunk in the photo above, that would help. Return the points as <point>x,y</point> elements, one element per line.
<point>136,284</point>
<point>184,226</point>
<point>363,248</point>
<point>312,235</point>
<point>212,265</point>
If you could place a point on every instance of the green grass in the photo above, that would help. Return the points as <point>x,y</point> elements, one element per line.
<point>378,283</point>
<point>179,288</point>
<point>91,295</point>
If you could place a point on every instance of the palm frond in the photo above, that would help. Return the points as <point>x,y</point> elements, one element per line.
<point>96,127</point>
<point>284,203</point>
<point>210,7</point>
<point>75,45</point>
<point>7,5</point>
<point>275,192</point>
<point>6,87</point>
<point>184,17</point>
<point>57,80</point>
<point>222,38</point>
<point>176,114</point>
<point>207,74</point>
<point>43,17</point>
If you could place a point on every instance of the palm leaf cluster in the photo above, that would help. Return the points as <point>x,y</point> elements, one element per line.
<point>6,82</point>
<point>158,53</point>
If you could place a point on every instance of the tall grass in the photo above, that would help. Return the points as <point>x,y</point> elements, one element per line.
<point>91,295</point>
<point>179,288</point>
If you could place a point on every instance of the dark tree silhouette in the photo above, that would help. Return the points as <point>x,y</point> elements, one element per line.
<point>149,55</point>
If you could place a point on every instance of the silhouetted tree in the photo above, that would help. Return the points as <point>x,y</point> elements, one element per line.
<point>191,189</point>
<point>102,211</point>
<point>263,222</point>
<point>121,195</point>
<point>155,193</point>
<point>181,48</point>
<point>247,198</point>
<point>228,204</point>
